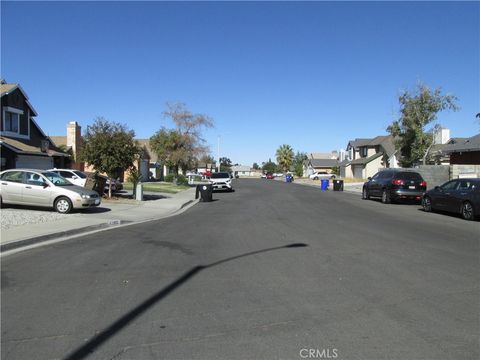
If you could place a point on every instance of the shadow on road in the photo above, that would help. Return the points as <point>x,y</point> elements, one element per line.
<point>88,348</point>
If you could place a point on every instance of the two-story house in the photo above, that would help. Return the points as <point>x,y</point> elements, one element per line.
<point>23,144</point>
<point>366,156</point>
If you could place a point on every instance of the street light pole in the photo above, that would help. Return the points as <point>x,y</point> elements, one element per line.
<point>218,154</point>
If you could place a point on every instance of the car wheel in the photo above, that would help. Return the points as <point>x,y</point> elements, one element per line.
<point>427,204</point>
<point>315,178</point>
<point>467,211</point>
<point>365,194</point>
<point>386,197</point>
<point>63,205</point>
<point>332,177</point>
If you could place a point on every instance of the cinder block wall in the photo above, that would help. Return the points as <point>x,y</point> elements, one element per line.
<point>434,175</point>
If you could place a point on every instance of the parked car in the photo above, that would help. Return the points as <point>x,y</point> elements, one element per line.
<point>269,176</point>
<point>321,175</point>
<point>461,196</point>
<point>44,188</point>
<point>395,184</point>
<point>116,184</point>
<point>76,177</point>
<point>221,181</point>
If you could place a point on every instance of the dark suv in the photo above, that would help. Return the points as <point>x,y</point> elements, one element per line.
<point>394,184</point>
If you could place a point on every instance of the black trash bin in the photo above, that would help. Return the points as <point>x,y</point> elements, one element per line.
<point>337,185</point>
<point>205,191</point>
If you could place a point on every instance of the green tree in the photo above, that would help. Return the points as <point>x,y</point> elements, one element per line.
<point>255,166</point>
<point>225,164</point>
<point>285,157</point>
<point>181,146</point>
<point>417,110</point>
<point>110,148</point>
<point>298,161</point>
<point>269,166</point>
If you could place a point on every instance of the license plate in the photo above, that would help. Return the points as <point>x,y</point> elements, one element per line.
<point>411,187</point>
<point>97,202</point>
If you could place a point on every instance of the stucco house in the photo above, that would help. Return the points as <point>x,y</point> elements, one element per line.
<point>320,162</point>
<point>23,144</point>
<point>366,156</point>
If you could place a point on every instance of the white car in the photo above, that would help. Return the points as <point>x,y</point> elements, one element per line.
<point>76,177</point>
<point>321,175</point>
<point>221,181</point>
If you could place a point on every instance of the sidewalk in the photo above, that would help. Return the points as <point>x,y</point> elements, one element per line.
<point>110,214</point>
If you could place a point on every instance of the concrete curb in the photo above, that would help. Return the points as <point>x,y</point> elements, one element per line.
<point>29,243</point>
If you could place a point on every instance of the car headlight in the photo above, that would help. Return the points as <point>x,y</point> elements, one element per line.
<point>85,196</point>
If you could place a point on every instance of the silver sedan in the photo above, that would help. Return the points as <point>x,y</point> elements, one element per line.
<point>44,188</point>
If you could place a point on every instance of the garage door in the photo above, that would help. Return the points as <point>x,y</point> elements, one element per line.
<point>34,162</point>
<point>357,171</point>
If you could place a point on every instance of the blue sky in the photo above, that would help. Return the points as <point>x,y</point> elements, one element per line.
<point>309,74</point>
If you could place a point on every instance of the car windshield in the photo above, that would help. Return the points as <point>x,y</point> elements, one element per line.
<point>80,174</point>
<point>409,176</point>
<point>220,175</point>
<point>56,179</point>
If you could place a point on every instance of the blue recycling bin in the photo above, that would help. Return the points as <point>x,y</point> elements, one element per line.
<point>325,184</point>
<point>288,178</point>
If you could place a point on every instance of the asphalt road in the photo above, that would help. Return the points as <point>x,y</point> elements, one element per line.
<point>360,280</point>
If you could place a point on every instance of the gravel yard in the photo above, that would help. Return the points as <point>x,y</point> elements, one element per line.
<point>15,217</point>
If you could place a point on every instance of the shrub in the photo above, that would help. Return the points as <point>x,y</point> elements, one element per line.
<point>182,180</point>
<point>170,178</point>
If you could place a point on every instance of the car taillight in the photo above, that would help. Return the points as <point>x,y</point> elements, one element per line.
<point>423,184</point>
<point>398,182</point>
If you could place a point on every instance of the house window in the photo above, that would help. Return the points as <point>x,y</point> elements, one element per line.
<point>12,121</point>
<point>363,152</point>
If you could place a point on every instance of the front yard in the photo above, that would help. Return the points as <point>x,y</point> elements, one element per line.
<point>161,187</point>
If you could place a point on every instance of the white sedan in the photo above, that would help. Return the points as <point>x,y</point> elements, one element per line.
<point>321,175</point>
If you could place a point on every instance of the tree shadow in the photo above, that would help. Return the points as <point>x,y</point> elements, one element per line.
<point>89,347</point>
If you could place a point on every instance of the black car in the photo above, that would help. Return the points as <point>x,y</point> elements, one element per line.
<point>461,196</point>
<point>394,184</point>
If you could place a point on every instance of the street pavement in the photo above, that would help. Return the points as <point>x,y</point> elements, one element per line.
<point>270,271</point>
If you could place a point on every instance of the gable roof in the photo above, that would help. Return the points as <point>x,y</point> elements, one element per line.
<point>59,140</point>
<point>366,160</point>
<point>6,89</point>
<point>322,162</point>
<point>385,141</point>
<point>466,145</point>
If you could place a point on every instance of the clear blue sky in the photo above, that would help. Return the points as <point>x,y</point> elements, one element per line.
<point>311,74</point>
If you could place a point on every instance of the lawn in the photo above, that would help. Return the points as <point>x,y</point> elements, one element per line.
<point>162,187</point>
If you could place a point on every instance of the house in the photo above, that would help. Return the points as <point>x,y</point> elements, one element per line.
<point>313,165</point>
<point>366,156</point>
<point>244,171</point>
<point>73,142</point>
<point>23,144</point>
<point>464,151</point>
<point>320,162</point>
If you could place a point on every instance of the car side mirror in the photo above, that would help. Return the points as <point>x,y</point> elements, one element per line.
<point>438,188</point>
<point>74,177</point>
<point>369,178</point>
<point>45,185</point>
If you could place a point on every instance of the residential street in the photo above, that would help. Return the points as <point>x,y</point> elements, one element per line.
<point>373,281</point>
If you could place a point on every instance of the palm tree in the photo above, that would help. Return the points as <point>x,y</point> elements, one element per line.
<point>285,156</point>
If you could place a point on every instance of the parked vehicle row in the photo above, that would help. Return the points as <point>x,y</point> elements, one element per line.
<point>44,188</point>
<point>461,196</point>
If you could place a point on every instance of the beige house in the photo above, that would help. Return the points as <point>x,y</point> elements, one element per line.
<point>365,157</point>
